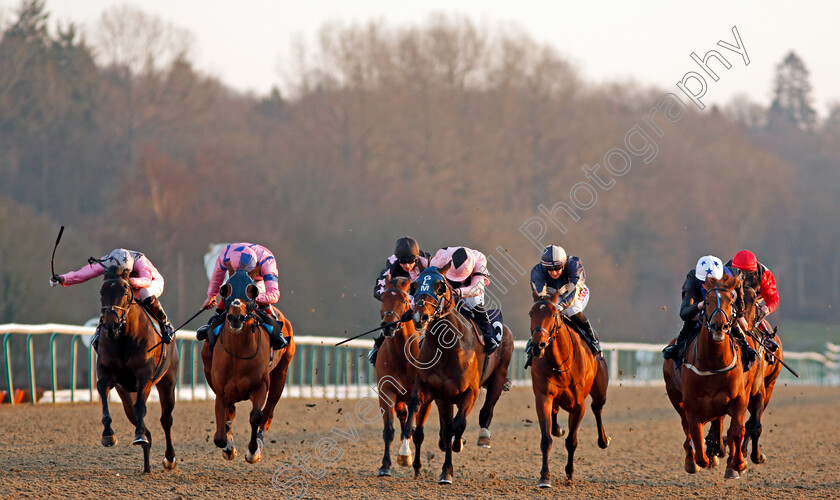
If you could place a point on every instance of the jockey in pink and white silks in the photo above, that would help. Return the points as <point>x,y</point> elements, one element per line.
<point>260,264</point>
<point>468,277</point>
<point>144,279</point>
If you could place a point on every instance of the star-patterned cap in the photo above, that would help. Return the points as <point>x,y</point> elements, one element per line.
<point>708,265</point>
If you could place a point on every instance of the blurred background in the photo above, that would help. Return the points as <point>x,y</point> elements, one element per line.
<point>447,128</point>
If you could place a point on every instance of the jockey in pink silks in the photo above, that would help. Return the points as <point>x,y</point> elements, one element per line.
<point>468,277</point>
<point>144,279</point>
<point>260,265</point>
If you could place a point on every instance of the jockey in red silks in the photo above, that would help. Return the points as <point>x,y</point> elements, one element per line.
<point>468,277</point>
<point>261,266</point>
<point>758,277</point>
<point>144,279</point>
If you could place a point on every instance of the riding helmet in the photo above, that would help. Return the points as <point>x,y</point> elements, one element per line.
<point>121,258</point>
<point>406,249</point>
<point>708,265</point>
<point>553,256</point>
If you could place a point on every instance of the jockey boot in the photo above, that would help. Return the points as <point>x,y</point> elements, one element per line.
<point>747,353</point>
<point>212,323</point>
<point>767,336</point>
<point>274,327</point>
<point>94,341</point>
<point>529,354</point>
<point>377,343</point>
<point>491,337</point>
<point>589,334</point>
<point>675,351</point>
<point>166,331</point>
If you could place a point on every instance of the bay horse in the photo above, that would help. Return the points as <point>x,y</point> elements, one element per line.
<point>395,374</point>
<point>131,358</point>
<point>452,367</point>
<point>711,383</point>
<point>563,373</point>
<point>242,366</point>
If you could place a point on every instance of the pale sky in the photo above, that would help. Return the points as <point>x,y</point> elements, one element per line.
<point>247,42</point>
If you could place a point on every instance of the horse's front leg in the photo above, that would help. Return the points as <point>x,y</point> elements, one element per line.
<point>695,431</point>
<point>547,415</point>
<point>575,416</point>
<point>224,437</point>
<point>734,438</point>
<point>445,412</point>
<point>459,424</point>
<point>387,436</point>
<point>142,436</point>
<point>419,434</point>
<point>418,395</point>
<point>255,445</point>
<point>104,388</point>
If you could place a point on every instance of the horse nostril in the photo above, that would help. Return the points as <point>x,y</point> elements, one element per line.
<point>543,345</point>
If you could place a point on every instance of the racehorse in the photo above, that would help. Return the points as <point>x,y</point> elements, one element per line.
<point>243,366</point>
<point>452,368</point>
<point>395,374</point>
<point>131,358</point>
<point>711,382</point>
<point>563,373</point>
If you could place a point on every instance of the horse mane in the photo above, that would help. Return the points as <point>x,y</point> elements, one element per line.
<point>113,272</point>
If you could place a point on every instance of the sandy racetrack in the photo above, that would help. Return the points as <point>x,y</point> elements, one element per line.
<point>54,451</point>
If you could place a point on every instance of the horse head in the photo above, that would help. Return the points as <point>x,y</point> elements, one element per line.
<point>751,310</point>
<point>395,303</point>
<point>545,320</point>
<point>239,294</point>
<point>116,296</point>
<point>717,314</point>
<point>433,298</point>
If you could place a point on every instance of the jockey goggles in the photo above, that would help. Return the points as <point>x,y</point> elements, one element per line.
<point>409,260</point>
<point>558,267</point>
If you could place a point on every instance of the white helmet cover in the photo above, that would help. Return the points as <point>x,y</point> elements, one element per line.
<point>121,258</point>
<point>708,265</point>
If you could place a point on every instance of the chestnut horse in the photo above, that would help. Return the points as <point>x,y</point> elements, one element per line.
<point>563,373</point>
<point>243,366</point>
<point>711,382</point>
<point>132,359</point>
<point>452,367</point>
<point>395,374</point>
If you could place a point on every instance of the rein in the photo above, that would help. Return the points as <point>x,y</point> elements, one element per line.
<point>706,323</point>
<point>121,317</point>
<point>406,301</point>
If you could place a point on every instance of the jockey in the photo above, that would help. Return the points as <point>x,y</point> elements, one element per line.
<point>408,261</point>
<point>259,262</point>
<point>693,295</point>
<point>758,277</point>
<point>144,279</point>
<point>566,274</point>
<point>468,277</point>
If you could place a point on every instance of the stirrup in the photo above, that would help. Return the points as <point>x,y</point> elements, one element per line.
<point>201,333</point>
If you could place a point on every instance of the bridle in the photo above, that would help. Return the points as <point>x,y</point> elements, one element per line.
<point>706,321</point>
<point>555,316</point>
<point>405,300</point>
<point>120,312</point>
<point>442,302</point>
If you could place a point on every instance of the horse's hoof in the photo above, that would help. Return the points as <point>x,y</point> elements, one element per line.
<point>557,431</point>
<point>458,444</point>
<point>384,472</point>
<point>445,478</point>
<point>731,474</point>
<point>713,461</point>
<point>169,465</point>
<point>140,439</point>
<point>253,458</point>
<point>108,441</point>
<point>761,459</point>
<point>570,482</point>
<point>229,454</point>
<point>544,483</point>
<point>403,460</point>
<point>484,442</point>
<point>603,444</point>
<point>690,466</point>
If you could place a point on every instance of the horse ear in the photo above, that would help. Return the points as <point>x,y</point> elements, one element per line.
<point>225,290</point>
<point>252,292</point>
<point>709,283</point>
<point>125,274</point>
<point>442,270</point>
<point>388,281</point>
<point>534,292</point>
<point>440,288</point>
<point>552,294</point>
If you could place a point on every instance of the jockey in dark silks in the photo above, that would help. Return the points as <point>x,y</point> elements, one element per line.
<point>566,274</point>
<point>408,261</point>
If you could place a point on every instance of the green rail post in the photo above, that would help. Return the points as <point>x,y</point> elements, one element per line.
<point>325,368</point>
<point>192,372</point>
<point>30,356</point>
<point>371,379</point>
<point>6,339</point>
<point>52,365</point>
<point>74,371</point>
<point>180,375</point>
<point>347,370</point>
<point>311,370</point>
<point>91,370</point>
<point>300,358</point>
